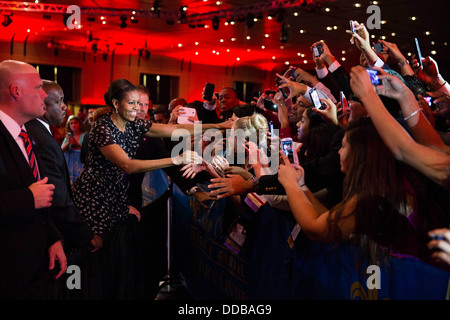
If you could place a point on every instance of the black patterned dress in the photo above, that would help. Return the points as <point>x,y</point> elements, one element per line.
<point>100,193</point>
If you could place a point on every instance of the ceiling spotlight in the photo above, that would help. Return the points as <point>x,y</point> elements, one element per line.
<point>123,18</point>
<point>215,23</point>
<point>7,20</point>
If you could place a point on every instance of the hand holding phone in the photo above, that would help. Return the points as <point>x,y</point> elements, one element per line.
<point>318,50</point>
<point>315,99</point>
<point>184,118</point>
<point>288,148</point>
<point>373,75</point>
<point>285,96</point>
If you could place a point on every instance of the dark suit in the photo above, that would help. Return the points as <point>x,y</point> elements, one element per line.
<point>63,211</point>
<point>25,233</point>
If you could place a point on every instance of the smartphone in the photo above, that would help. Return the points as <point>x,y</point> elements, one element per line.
<point>373,74</point>
<point>269,92</point>
<point>256,94</point>
<point>352,26</point>
<point>344,103</point>
<point>271,128</point>
<point>188,112</point>
<point>293,75</point>
<point>318,50</point>
<point>288,148</point>
<point>378,47</point>
<point>281,89</point>
<point>209,91</point>
<point>315,99</point>
<point>269,105</point>
<point>418,52</point>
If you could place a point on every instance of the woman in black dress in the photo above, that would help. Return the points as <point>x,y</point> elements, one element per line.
<point>100,192</point>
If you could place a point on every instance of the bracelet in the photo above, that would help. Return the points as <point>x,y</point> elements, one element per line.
<point>412,114</point>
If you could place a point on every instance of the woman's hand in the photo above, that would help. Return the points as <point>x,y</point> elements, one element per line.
<point>220,164</point>
<point>288,173</point>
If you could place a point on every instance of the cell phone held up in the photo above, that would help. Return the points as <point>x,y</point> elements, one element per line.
<point>418,52</point>
<point>288,148</point>
<point>373,75</point>
<point>352,26</point>
<point>285,96</point>
<point>315,99</point>
<point>208,93</point>
<point>318,50</point>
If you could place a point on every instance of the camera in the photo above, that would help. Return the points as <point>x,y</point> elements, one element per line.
<point>344,102</point>
<point>318,50</point>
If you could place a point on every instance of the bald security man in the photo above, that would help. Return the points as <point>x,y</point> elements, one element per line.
<point>30,242</point>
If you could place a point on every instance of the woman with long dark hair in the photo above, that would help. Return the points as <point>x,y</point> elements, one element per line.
<point>384,207</point>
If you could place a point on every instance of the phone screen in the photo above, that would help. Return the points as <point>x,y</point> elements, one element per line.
<point>378,48</point>
<point>373,74</point>
<point>315,98</point>
<point>288,149</point>
<point>344,103</point>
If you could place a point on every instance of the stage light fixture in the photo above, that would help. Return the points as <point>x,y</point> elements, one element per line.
<point>123,18</point>
<point>7,20</point>
<point>215,23</point>
<point>250,20</point>
<point>147,54</point>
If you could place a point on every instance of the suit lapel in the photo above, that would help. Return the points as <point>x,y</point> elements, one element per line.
<point>11,148</point>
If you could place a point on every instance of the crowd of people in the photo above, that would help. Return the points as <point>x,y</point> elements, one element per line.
<point>370,167</point>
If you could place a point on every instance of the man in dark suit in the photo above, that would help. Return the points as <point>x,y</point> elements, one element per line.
<point>63,211</point>
<point>30,242</point>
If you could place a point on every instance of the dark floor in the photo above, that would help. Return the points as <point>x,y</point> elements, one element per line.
<point>172,289</point>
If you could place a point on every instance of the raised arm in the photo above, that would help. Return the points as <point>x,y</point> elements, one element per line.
<point>432,163</point>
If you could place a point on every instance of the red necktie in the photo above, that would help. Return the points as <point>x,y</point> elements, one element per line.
<point>33,163</point>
